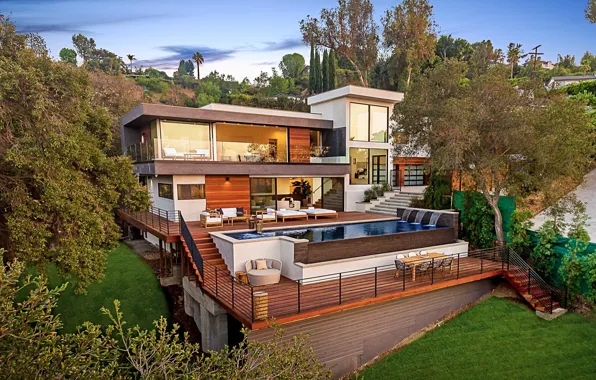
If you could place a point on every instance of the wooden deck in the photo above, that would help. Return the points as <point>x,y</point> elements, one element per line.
<point>290,301</point>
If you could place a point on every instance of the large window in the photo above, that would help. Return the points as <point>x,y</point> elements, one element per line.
<point>250,143</point>
<point>181,138</point>
<point>368,166</point>
<point>188,192</point>
<point>262,193</point>
<point>368,123</point>
<point>165,190</point>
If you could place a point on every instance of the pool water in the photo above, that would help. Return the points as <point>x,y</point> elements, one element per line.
<point>338,231</point>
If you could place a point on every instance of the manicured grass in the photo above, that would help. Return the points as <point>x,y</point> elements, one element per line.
<point>497,339</point>
<point>127,278</point>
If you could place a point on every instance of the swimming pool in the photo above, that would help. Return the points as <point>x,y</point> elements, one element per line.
<point>338,231</point>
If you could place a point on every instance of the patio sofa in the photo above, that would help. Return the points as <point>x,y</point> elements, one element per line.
<point>232,214</point>
<point>263,271</point>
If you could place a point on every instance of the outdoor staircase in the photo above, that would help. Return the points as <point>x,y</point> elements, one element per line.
<point>334,200</point>
<point>389,205</point>
<point>539,298</point>
<point>208,251</point>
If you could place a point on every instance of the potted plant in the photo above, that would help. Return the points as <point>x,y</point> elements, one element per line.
<point>302,187</point>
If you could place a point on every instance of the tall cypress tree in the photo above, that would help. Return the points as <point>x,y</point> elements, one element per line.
<point>318,77</point>
<point>325,69</point>
<point>312,82</point>
<point>332,70</point>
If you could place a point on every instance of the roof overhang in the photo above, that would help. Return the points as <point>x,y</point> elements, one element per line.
<point>358,92</point>
<point>145,113</point>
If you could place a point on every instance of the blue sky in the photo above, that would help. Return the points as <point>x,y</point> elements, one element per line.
<point>242,38</point>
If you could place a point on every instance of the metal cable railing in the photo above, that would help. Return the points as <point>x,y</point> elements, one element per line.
<point>165,221</point>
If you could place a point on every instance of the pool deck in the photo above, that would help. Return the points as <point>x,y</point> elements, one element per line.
<point>343,217</point>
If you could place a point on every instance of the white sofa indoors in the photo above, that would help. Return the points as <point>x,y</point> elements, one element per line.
<point>263,271</point>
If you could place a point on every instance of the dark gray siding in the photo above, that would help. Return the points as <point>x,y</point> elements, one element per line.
<point>348,339</point>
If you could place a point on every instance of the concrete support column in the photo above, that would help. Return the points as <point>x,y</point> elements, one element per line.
<point>210,318</point>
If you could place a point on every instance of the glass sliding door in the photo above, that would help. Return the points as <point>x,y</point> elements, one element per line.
<point>378,166</point>
<point>250,143</point>
<point>262,194</point>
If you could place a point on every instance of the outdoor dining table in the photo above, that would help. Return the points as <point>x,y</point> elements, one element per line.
<point>414,261</point>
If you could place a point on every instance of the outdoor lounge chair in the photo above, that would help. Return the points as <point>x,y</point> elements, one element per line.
<point>171,153</point>
<point>291,214</point>
<point>211,219</point>
<point>321,212</point>
<point>259,273</point>
<point>268,216</point>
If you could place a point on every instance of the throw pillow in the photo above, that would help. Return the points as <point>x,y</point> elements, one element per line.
<point>261,264</point>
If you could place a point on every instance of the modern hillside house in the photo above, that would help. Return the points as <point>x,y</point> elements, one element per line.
<point>357,282</point>
<point>231,156</point>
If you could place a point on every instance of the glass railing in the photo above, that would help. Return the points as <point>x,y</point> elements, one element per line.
<point>141,152</point>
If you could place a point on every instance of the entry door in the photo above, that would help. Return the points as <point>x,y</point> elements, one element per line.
<point>379,169</point>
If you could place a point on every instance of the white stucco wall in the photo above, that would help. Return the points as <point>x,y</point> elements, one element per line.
<point>190,209</point>
<point>152,186</point>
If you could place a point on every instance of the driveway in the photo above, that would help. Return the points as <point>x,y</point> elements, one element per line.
<point>586,192</point>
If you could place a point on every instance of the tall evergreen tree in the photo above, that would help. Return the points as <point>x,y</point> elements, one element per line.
<point>312,81</point>
<point>325,71</point>
<point>318,74</point>
<point>332,69</point>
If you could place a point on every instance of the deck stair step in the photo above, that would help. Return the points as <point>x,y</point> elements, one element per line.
<point>202,246</point>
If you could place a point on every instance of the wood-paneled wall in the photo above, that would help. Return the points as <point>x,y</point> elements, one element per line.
<point>233,193</point>
<point>299,145</point>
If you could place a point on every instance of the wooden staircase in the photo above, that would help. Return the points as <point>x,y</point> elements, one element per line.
<point>208,251</point>
<point>531,290</point>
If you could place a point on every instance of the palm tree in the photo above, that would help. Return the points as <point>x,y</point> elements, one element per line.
<point>131,58</point>
<point>198,58</point>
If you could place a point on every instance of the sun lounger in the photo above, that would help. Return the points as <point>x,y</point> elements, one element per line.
<point>321,212</point>
<point>291,214</point>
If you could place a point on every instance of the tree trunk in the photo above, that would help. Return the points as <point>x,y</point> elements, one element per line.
<point>409,77</point>
<point>512,70</point>
<point>493,202</point>
<point>363,81</point>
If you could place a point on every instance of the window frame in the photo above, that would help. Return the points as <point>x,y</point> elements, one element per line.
<point>161,193</point>
<point>201,191</point>
<point>369,165</point>
<point>369,123</point>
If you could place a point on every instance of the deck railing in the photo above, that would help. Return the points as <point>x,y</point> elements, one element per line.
<point>164,221</point>
<point>533,283</point>
<point>291,297</point>
<point>189,241</point>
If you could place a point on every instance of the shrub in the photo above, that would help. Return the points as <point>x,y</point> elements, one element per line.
<point>369,194</point>
<point>378,189</point>
<point>478,221</point>
<point>386,187</point>
<point>518,233</point>
<point>436,194</point>
<point>543,257</point>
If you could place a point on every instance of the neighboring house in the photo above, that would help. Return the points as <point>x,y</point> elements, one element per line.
<point>546,65</point>
<point>225,155</point>
<point>558,82</point>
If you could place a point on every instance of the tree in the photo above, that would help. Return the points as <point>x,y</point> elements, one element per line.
<point>450,48</point>
<point>483,56</point>
<point>312,77</point>
<point>590,11</point>
<point>505,139</point>
<point>292,65</point>
<point>198,58</point>
<point>350,30</point>
<point>84,46</point>
<point>59,187</point>
<point>325,71</point>
<point>131,58</point>
<point>68,55</point>
<point>514,51</point>
<point>33,348</point>
<point>409,29</point>
<point>318,73</point>
<point>332,70</point>
<point>588,59</point>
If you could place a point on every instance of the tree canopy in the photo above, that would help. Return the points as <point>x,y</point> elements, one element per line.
<point>507,140</point>
<point>68,55</point>
<point>292,65</point>
<point>59,187</point>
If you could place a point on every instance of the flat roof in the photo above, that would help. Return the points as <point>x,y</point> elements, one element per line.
<point>364,93</point>
<point>145,113</point>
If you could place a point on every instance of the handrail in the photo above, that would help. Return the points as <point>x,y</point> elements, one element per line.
<point>322,184</point>
<point>191,246</point>
<point>330,290</point>
<point>535,286</point>
<point>164,221</point>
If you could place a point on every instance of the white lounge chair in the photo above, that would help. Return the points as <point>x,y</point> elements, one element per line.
<point>211,219</point>
<point>291,214</point>
<point>269,276</point>
<point>267,216</point>
<point>172,153</point>
<point>321,212</point>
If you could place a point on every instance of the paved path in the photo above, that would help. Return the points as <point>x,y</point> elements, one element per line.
<point>586,192</point>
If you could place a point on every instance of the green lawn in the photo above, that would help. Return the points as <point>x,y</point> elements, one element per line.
<point>497,339</point>
<point>127,278</point>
